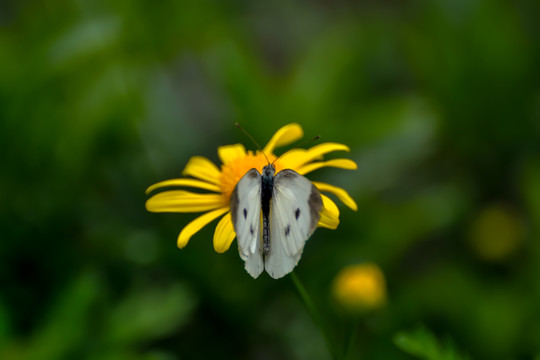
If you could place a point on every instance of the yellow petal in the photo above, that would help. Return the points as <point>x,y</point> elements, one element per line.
<point>230,153</point>
<point>184,182</point>
<point>284,136</point>
<point>184,201</point>
<point>329,214</point>
<point>201,168</point>
<point>298,157</point>
<point>224,234</point>
<point>337,163</point>
<point>339,192</point>
<point>197,224</point>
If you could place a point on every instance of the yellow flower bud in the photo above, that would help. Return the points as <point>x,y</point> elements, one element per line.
<point>360,288</point>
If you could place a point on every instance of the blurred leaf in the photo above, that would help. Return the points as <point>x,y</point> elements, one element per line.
<point>84,39</point>
<point>423,344</point>
<point>66,326</point>
<point>149,314</point>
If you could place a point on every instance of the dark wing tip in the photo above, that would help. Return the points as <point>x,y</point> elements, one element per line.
<point>315,205</point>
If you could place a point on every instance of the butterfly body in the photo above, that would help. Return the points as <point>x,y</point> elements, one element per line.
<point>273,216</point>
<point>267,187</point>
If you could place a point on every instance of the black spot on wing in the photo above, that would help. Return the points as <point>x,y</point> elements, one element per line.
<point>251,229</point>
<point>297,213</point>
<point>287,230</point>
<point>245,213</point>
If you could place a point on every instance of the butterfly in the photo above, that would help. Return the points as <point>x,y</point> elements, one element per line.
<point>273,216</point>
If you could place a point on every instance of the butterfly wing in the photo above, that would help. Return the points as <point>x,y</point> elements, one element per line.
<point>246,219</point>
<point>295,212</point>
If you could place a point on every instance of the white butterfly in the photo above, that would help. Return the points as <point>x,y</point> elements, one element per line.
<point>290,205</point>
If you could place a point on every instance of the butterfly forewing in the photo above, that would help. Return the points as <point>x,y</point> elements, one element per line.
<point>295,212</point>
<point>246,218</point>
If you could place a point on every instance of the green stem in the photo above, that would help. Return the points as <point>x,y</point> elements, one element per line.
<point>312,310</point>
<point>349,339</point>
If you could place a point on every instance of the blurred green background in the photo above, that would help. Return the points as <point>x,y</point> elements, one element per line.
<point>438,100</point>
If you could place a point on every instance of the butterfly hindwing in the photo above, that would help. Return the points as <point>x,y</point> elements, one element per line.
<point>246,218</point>
<point>295,212</point>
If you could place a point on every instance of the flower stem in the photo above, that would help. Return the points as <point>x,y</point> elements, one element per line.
<point>314,313</point>
<point>349,339</point>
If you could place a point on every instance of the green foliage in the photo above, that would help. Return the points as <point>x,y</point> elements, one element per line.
<point>422,344</point>
<point>439,102</point>
<point>77,327</point>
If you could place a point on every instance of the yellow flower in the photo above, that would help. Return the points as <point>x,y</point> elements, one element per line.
<point>360,287</point>
<point>220,182</point>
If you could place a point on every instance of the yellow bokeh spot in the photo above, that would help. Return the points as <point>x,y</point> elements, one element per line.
<point>360,287</point>
<point>496,233</point>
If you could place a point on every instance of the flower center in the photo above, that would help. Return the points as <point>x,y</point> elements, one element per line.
<point>233,171</point>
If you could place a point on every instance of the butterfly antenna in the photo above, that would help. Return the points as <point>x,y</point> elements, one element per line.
<point>297,146</point>
<point>252,139</point>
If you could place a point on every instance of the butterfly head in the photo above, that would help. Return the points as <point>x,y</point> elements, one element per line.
<point>269,170</point>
